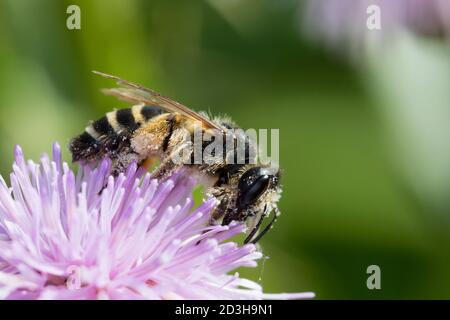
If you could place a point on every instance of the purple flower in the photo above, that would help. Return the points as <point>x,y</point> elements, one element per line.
<point>62,236</point>
<point>344,22</point>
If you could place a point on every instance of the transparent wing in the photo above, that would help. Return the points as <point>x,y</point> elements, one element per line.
<point>135,93</point>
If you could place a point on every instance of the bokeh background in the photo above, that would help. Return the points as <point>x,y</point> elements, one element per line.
<point>364,125</point>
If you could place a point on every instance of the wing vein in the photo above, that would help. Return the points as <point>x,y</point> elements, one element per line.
<point>136,93</point>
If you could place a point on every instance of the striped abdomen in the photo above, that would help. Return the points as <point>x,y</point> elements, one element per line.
<point>111,134</point>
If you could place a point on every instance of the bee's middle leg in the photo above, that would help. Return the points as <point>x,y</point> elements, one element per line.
<point>122,161</point>
<point>180,156</point>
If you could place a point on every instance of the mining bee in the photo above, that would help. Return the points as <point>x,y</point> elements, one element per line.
<point>155,127</point>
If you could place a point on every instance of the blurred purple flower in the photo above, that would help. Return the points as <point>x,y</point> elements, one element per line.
<point>61,238</point>
<point>340,22</point>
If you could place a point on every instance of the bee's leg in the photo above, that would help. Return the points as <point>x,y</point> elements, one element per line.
<point>179,156</point>
<point>123,160</point>
<point>267,228</point>
<point>222,207</point>
<point>255,229</point>
<point>227,218</point>
<point>217,214</point>
<point>120,163</point>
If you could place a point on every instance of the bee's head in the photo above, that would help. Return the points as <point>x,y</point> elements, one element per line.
<point>258,194</point>
<point>255,185</point>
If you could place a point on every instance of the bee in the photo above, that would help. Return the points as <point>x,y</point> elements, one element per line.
<point>155,127</point>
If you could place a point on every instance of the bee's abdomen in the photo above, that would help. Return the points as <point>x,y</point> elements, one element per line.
<point>111,133</point>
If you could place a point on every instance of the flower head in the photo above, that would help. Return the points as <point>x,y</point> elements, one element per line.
<point>91,236</point>
<point>344,22</point>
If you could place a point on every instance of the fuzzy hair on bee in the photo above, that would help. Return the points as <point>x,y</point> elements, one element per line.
<point>157,127</point>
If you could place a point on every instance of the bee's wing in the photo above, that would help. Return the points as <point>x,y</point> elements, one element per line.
<point>135,93</point>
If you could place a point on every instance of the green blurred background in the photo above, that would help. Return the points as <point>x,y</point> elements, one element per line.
<point>346,204</point>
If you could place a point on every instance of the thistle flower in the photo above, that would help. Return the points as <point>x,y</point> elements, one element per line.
<point>92,236</point>
<point>343,22</point>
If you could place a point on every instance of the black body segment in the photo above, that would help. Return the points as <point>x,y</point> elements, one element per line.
<point>102,126</point>
<point>126,120</point>
<point>83,146</point>
<point>149,112</point>
<point>105,138</point>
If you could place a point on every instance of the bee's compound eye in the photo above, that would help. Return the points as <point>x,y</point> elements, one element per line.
<point>250,192</point>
